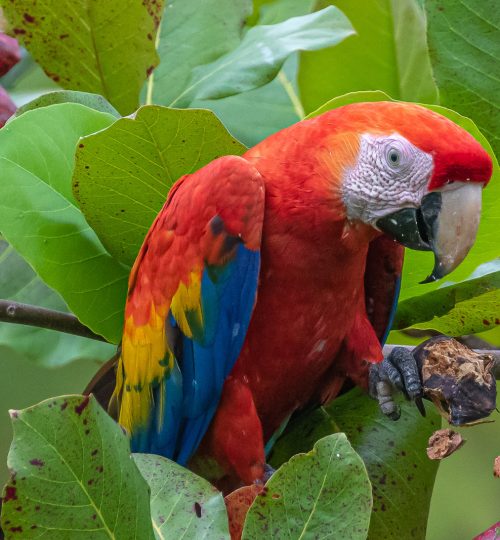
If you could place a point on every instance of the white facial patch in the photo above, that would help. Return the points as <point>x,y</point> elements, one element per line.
<point>391,173</point>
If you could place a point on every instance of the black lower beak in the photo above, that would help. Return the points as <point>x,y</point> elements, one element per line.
<point>412,227</point>
<point>445,223</point>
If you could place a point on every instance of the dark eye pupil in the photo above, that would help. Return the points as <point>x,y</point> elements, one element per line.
<point>394,157</point>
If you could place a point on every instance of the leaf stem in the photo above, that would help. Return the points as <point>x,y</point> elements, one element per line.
<point>294,98</point>
<point>15,312</point>
<point>150,83</point>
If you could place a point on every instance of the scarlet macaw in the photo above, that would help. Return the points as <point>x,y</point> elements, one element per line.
<point>253,292</point>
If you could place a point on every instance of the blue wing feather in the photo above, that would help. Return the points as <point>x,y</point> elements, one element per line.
<point>203,362</point>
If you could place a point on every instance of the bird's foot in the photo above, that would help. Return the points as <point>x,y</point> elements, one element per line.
<point>397,372</point>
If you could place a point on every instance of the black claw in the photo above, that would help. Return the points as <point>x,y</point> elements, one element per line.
<point>420,406</point>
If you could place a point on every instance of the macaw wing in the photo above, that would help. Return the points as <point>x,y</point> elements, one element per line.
<point>191,295</point>
<point>384,265</point>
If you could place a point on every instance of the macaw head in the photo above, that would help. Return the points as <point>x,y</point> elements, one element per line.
<point>416,176</point>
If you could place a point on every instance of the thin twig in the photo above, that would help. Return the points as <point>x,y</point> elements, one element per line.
<point>15,312</point>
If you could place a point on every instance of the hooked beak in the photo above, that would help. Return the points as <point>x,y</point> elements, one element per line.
<point>446,223</point>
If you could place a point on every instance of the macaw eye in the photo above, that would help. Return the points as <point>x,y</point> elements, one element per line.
<point>393,156</point>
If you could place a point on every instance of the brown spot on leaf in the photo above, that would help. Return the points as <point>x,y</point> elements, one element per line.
<point>197,509</point>
<point>29,18</point>
<point>37,462</point>
<point>10,494</point>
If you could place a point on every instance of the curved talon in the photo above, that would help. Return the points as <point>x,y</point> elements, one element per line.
<point>399,370</point>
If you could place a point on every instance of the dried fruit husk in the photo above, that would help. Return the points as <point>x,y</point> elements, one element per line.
<point>458,380</point>
<point>443,442</point>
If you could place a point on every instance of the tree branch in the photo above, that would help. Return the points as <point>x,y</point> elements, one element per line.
<point>15,312</point>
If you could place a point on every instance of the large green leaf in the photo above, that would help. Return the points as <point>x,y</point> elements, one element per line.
<point>322,494</point>
<point>123,173</point>
<point>94,46</point>
<point>206,30</point>
<point>394,453</point>
<point>486,247</point>
<point>20,283</point>
<point>39,216</point>
<point>72,475</point>
<point>261,54</point>
<point>388,52</point>
<point>183,505</point>
<point>254,115</point>
<point>464,45</point>
<point>469,307</point>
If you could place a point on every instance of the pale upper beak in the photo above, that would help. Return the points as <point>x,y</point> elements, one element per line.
<point>446,223</point>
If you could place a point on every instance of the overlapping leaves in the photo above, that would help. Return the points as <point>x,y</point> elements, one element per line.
<point>123,173</point>
<point>41,220</point>
<point>94,46</point>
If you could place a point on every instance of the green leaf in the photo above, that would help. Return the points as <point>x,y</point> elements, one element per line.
<point>206,30</point>
<point>261,54</point>
<point>254,115</point>
<point>486,247</point>
<point>72,475</point>
<point>183,505</point>
<point>20,283</point>
<point>94,46</point>
<point>468,307</point>
<point>25,382</point>
<point>40,219</point>
<point>388,52</point>
<point>394,453</point>
<point>322,494</point>
<point>123,173</point>
<point>464,45</point>
<point>93,101</point>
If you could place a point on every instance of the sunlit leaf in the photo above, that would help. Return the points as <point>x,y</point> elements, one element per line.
<point>123,174</point>
<point>94,46</point>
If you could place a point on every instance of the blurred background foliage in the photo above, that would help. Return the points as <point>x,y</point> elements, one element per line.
<point>437,52</point>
